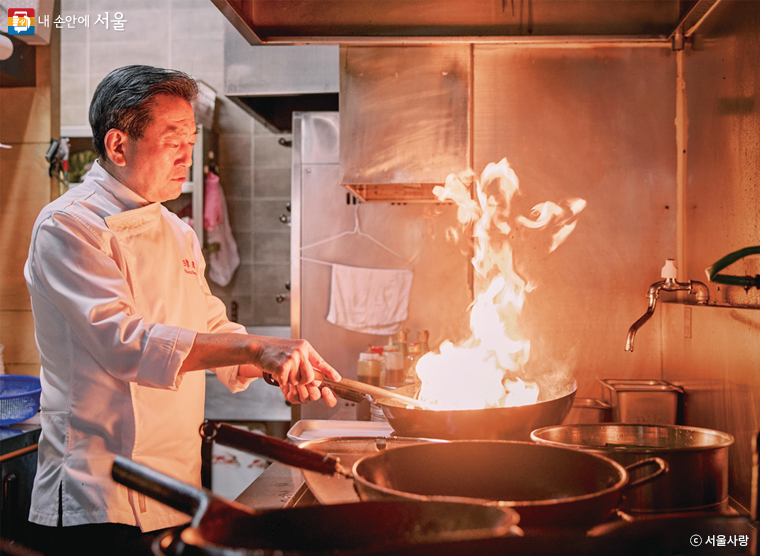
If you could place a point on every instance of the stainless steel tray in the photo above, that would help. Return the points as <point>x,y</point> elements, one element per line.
<point>314,429</point>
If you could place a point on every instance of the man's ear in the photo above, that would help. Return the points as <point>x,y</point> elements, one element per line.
<point>115,142</point>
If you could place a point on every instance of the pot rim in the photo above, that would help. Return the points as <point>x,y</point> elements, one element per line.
<point>724,439</point>
<point>516,504</point>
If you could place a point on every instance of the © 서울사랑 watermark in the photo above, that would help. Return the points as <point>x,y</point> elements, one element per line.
<point>719,540</point>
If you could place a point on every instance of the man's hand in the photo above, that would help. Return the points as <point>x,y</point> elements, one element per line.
<point>295,364</point>
<point>297,367</point>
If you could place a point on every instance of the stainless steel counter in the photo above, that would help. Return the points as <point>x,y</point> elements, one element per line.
<point>279,486</point>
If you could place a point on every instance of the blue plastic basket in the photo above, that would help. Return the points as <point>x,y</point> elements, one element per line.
<point>19,398</point>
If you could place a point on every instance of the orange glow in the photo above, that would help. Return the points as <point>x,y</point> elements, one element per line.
<point>484,370</point>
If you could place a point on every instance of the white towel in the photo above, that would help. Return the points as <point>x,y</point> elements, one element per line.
<point>369,300</point>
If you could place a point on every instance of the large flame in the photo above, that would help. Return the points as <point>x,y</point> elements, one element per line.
<point>484,370</point>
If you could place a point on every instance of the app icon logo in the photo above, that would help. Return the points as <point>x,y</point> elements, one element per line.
<point>21,21</point>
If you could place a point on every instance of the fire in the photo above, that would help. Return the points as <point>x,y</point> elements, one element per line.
<point>484,370</point>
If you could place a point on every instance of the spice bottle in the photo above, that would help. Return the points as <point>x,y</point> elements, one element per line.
<point>423,336</point>
<point>400,342</point>
<point>369,368</point>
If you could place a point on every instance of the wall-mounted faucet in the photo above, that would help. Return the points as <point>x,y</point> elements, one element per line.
<point>668,284</point>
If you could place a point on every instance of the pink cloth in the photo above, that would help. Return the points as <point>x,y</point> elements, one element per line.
<point>212,202</point>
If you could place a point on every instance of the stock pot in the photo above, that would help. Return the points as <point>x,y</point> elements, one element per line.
<point>697,458</point>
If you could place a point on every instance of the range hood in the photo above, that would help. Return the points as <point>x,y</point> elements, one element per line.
<point>469,21</point>
<point>406,68</point>
<point>272,82</point>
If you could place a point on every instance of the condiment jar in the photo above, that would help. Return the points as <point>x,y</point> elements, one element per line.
<point>394,366</point>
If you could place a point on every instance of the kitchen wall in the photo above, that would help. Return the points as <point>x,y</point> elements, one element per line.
<point>597,124</point>
<point>29,117</point>
<point>254,167</point>
<point>714,351</point>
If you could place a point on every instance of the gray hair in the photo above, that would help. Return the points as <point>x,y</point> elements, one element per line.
<point>124,100</point>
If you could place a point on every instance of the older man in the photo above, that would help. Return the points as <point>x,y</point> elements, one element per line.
<point>124,319</point>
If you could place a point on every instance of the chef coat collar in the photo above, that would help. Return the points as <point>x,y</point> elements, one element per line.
<point>122,195</point>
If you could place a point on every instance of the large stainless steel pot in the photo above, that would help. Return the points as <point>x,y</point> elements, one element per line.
<point>548,486</point>
<point>222,527</point>
<point>496,423</point>
<point>697,458</point>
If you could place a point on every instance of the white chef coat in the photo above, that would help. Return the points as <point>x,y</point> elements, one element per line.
<point>118,294</point>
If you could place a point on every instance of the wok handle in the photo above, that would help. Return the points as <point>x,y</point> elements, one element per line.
<point>167,490</point>
<point>662,467</point>
<point>356,391</point>
<point>272,448</point>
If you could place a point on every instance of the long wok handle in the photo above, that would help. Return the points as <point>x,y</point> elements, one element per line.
<point>167,490</point>
<point>662,467</point>
<point>272,448</point>
<point>356,391</point>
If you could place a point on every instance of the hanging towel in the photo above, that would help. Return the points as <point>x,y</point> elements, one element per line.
<point>222,263</point>
<point>369,300</point>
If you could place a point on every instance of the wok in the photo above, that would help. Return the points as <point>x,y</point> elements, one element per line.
<point>335,489</point>
<point>410,417</point>
<point>220,526</point>
<point>493,423</point>
<point>548,486</point>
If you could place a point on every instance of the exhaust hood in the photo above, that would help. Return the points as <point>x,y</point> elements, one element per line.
<point>469,21</point>
<point>272,82</point>
<point>405,67</point>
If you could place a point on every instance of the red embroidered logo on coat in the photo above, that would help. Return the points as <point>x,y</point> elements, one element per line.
<point>189,267</point>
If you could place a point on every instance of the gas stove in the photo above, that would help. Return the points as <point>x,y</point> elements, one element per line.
<point>722,531</point>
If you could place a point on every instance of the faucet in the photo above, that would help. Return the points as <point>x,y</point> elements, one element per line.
<point>668,284</point>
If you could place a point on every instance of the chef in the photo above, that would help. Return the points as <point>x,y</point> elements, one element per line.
<point>126,326</point>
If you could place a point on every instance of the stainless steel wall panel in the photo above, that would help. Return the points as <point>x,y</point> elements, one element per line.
<point>720,364</point>
<point>594,123</point>
<point>404,113</point>
<point>723,160</point>
<point>717,362</point>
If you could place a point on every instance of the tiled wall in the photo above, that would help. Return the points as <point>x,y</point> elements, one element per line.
<point>254,168</point>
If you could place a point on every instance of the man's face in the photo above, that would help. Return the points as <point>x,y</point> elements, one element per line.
<point>156,165</point>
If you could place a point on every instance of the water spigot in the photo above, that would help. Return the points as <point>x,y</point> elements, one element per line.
<point>669,284</point>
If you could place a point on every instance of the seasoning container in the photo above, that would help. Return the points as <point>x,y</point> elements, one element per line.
<point>369,369</point>
<point>654,402</point>
<point>394,366</point>
<point>423,337</point>
<point>401,342</point>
